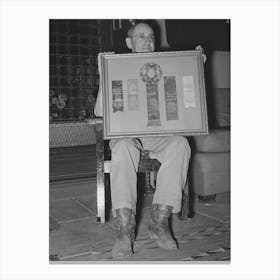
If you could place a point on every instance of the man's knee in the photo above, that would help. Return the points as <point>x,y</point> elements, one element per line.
<point>123,143</point>
<point>181,143</point>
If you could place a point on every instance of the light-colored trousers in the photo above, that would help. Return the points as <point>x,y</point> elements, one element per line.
<point>172,152</point>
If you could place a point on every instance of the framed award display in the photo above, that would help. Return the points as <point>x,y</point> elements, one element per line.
<point>153,94</point>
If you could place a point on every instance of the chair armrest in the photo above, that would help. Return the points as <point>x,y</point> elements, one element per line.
<point>94,121</point>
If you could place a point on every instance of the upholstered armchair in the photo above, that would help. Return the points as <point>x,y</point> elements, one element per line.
<point>210,162</point>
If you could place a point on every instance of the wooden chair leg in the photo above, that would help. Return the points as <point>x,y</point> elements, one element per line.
<point>185,213</point>
<point>100,172</point>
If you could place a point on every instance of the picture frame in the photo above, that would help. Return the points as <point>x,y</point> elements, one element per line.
<point>153,94</point>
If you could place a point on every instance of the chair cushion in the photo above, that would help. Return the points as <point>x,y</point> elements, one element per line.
<point>210,173</point>
<point>217,140</point>
<point>210,162</point>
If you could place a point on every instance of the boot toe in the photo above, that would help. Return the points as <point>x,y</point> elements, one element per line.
<point>120,255</point>
<point>167,244</point>
<point>121,250</point>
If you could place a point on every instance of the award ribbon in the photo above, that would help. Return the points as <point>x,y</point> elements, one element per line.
<point>150,74</point>
<point>117,92</point>
<point>188,89</point>
<point>170,98</point>
<point>132,95</point>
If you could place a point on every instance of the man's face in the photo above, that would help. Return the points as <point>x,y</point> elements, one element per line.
<point>142,39</point>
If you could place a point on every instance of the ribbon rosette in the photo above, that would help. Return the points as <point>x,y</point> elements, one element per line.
<point>151,73</point>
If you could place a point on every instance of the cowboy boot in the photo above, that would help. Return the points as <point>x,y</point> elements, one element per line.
<point>126,234</point>
<point>158,227</point>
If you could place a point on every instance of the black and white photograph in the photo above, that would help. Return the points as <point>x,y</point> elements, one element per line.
<point>139,140</point>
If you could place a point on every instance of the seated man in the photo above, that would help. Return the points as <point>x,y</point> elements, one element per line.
<point>173,152</point>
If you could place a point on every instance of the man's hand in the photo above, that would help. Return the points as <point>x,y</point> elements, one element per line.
<point>199,48</point>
